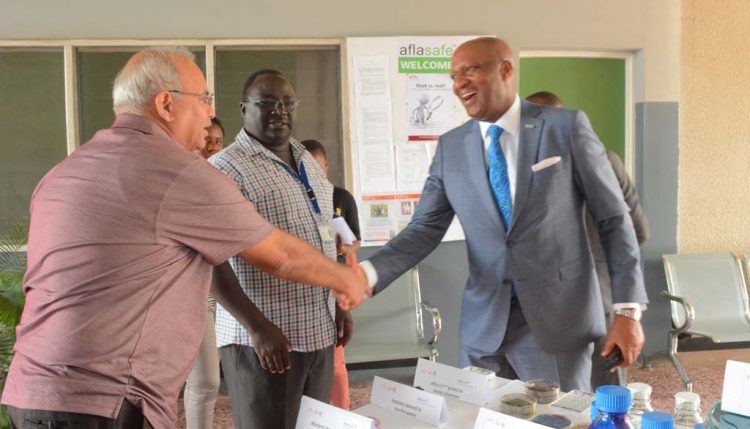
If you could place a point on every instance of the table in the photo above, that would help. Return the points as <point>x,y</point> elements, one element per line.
<point>461,415</point>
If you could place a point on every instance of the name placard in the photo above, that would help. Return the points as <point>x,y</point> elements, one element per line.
<point>316,414</point>
<point>488,419</point>
<point>410,402</point>
<point>451,382</point>
<point>735,397</point>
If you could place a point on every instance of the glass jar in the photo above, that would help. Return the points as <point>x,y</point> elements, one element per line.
<point>687,410</point>
<point>641,402</point>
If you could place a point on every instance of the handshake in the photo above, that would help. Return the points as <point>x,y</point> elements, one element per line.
<point>354,287</point>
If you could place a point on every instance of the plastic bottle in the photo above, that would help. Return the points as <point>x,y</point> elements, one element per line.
<point>657,420</point>
<point>641,402</point>
<point>687,410</point>
<point>613,403</point>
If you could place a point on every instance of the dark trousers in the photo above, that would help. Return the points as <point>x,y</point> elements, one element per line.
<point>261,400</point>
<point>130,417</point>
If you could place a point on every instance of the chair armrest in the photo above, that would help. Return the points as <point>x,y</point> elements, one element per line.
<point>437,322</point>
<point>689,312</point>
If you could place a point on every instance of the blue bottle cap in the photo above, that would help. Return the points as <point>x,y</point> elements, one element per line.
<point>657,420</point>
<point>594,411</point>
<point>613,399</point>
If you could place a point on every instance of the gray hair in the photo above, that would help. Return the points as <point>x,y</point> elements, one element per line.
<point>136,85</point>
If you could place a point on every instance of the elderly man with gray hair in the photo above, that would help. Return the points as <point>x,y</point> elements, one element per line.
<point>120,259</point>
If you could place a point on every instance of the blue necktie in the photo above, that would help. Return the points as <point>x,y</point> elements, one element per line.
<point>498,174</point>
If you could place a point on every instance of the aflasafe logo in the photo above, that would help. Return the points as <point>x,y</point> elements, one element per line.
<point>425,57</point>
<point>412,50</point>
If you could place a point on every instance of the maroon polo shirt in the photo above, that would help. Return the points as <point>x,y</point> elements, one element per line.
<point>122,239</point>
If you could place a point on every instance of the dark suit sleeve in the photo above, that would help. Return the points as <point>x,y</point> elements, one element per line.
<point>604,199</point>
<point>422,235</point>
<point>640,221</point>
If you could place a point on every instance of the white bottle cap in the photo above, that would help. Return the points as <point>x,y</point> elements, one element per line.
<point>640,390</point>
<point>687,400</point>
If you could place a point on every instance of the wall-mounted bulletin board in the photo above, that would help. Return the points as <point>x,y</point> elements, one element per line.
<point>401,101</point>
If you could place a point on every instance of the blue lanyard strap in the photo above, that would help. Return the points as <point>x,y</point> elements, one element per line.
<point>302,177</point>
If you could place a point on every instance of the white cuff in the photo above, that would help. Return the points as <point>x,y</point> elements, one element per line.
<point>620,305</point>
<point>370,272</point>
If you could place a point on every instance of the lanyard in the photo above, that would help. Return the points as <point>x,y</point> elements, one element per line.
<point>302,177</point>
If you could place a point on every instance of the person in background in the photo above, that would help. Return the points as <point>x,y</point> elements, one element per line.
<point>120,259</point>
<point>344,206</point>
<point>600,376</point>
<point>269,370</point>
<point>215,138</point>
<point>202,385</point>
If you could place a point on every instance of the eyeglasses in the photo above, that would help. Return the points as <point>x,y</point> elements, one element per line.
<point>266,104</point>
<point>206,97</point>
<point>473,69</point>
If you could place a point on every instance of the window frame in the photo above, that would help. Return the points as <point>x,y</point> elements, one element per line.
<point>71,46</point>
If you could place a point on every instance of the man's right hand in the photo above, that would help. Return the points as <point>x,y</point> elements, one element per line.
<point>272,348</point>
<point>357,289</point>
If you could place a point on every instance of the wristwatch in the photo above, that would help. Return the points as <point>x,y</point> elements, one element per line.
<point>631,312</point>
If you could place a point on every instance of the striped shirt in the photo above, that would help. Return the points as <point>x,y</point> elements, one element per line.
<point>304,313</point>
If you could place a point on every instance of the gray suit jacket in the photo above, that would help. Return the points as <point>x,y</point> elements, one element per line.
<point>545,253</point>
<point>640,223</point>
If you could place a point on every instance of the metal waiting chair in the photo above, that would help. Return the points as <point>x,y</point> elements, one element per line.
<point>708,297</point>
<point>389,327</point>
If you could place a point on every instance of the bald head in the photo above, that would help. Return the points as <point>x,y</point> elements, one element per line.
<point>545,98</point>
<point>498,47</point>
<point>483,77</point>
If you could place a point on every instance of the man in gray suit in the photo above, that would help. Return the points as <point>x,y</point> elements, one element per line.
<point>600,376</point>
<point>517,176</point>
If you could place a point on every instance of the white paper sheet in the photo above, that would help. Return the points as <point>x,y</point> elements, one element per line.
<point>371,85</point>
<point>412,166</point>
<point>342,230</point>
<point>316,414</point>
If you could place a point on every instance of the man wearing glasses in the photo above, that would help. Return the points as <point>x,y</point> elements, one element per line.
<point>120,259</point>
<point>269,368</point>
<point>517,176</point>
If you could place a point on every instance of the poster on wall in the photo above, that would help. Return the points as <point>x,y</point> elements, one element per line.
<point>430,104</point>
<point>405,80</point>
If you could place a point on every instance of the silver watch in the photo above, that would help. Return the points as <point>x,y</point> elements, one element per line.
<point>631,312</point>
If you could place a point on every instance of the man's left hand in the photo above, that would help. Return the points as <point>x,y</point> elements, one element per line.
<point>344,326</point>
<point>627,334</point>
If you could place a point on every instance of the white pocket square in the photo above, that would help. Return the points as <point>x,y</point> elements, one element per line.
<point>545,163</point>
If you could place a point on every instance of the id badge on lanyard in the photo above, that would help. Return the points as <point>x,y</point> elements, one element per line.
<point>326,232</point>
<point>324,225</point>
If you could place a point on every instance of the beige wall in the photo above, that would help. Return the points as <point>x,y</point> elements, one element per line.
<point>714,169</point>
<point>648,27</point>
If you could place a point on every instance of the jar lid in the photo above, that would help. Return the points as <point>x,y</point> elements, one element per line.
<point>687,400</point>
<point>613,399</point>
<point>640,390</point>
<point>657,420</point>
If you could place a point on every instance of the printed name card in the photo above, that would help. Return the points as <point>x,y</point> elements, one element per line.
<point>736,395</point>
<point>488,419</point>
<point>408,401</point>
<point>316,414</point>
<point>451,382</point>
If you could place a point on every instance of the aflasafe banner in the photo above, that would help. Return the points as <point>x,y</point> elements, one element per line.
<point>426,54</point>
